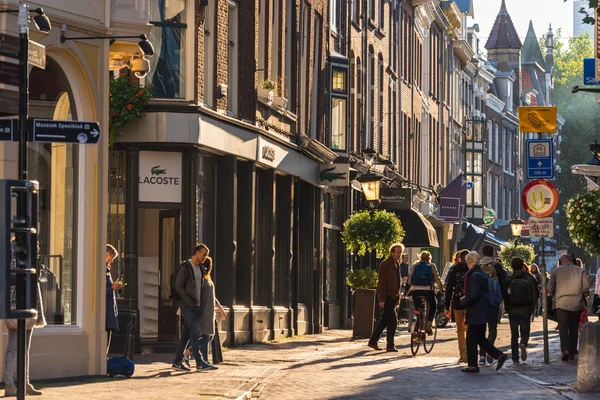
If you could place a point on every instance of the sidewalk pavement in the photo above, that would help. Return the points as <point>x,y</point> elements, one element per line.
<point>330,365</point>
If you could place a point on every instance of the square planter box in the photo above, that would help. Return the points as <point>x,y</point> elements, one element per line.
<point>364,313</point>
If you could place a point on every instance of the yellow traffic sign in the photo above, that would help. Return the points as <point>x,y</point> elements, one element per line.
<point>537,119</point>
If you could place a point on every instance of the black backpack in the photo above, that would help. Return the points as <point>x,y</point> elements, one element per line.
<point>173,280</point>
<point>520,294</point>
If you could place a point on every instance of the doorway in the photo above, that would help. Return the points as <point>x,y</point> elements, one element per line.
<point>169,257</point>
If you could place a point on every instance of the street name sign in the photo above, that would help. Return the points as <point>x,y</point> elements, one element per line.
<point>7,130</point>
<point>9,73</point>
<point>9,102</point>
<point>541,227</point>
<point>589,72</point>
<point>537,119</point>
<point>9,46</point>
<point>77,132</point>
<point>540,155</point>
<point>540,198</point>
<point>37,55</point>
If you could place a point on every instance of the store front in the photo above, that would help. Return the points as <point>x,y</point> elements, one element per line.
<point>250,198</point>
<point>70,213</point>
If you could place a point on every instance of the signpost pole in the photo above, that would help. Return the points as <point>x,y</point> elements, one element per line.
<point>545,303</point>
<point>21,239</point>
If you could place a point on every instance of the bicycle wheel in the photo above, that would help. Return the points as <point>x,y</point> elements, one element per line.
<point>430,340</point>
<point>415,343</point>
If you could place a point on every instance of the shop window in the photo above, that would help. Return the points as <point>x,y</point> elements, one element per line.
<point>205,181</point>
<point>167,71</point>
<point>55,166</point>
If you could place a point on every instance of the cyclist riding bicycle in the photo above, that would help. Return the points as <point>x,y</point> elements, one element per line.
<point>423,274</point>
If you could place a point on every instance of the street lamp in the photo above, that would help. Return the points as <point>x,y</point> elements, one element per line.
<point>516,226</point>
<point>40,20</point>
<point>370,184</point>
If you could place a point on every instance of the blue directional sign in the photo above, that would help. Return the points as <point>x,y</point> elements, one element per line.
<point>540,156</point>
<point>589,72</point>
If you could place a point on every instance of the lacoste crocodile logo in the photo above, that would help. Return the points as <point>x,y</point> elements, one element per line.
<point>327,175</point>
<point>157,171</point>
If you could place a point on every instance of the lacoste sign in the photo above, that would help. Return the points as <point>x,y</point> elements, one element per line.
<point>160,177</point>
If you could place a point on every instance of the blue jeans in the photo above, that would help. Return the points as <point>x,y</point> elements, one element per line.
<point>189,332</point>
<point>204,341</point>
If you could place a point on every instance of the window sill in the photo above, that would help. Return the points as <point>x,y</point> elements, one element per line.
<point>380,32</point>
<point>279,110</point>
<point>356,25</point>
<point>372,23</point>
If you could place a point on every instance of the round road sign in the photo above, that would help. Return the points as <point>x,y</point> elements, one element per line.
<point>489,216</point>
<point>540,198</point>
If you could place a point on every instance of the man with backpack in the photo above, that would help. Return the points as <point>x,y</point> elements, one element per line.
<point>455,289</point>
<point>420,281</point>
<point>496,272</point>
<point>481,295</point>
<point>186,286</point>
<point>521,301</point>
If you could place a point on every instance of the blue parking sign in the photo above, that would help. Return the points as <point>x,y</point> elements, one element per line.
<point>540,159</point>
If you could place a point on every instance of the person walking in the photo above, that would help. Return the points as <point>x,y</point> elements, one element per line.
<point>496,272</point>
<point>189,281</point>
<point>535,272</point>
<point>10,355</point>
<point>112,311</point>
<point>478,313</point>
<point>207,314</point>
<point>569,284</point>
<point>521,302</point>
<point>388,294</point>
<point>455,289</point>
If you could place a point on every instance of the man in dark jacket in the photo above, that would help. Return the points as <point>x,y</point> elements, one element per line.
<point>520,303</point>
<point>388,293</point>
<point>478,313</point>
<point>189,285</point>
<point>496,272</point>
<point>455,289</point>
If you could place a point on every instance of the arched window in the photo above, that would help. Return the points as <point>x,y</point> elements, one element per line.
<point>55,166</point>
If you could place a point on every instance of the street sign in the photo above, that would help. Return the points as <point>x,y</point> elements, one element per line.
<point>9,46</point>
<point>537,119</point>
<point>9,102</point>
<point>51,131</point>
<point>37,55</point>
<point>540,156</point>
<point>7,130</point>
<point>525,229</point>
<point>541,227</point>
<point>9,73</point>
<point>489,216</point>
<point>589,72</point>
<point>540,198</point>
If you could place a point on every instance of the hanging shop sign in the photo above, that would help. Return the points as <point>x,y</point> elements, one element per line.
<point>540,198</point>
<point>160,176</point>
<point>489,216</point>
<point>334,174</point>
<point>395,199</point>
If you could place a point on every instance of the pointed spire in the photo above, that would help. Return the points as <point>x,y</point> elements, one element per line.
<point>503,34</point>
<point>531,47</point>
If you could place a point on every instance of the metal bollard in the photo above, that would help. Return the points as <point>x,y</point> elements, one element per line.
<point>588,366</point>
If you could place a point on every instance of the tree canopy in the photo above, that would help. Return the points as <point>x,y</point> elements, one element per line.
<point>586,17</point>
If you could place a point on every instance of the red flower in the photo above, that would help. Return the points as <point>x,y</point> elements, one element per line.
<point>141,92</point>
<point>129,106</point>
<point>114,114</point>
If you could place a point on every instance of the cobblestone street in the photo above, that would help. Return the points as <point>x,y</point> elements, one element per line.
<point>333,366</point>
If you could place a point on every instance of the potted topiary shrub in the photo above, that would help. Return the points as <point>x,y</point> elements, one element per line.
<point>363,283</point>
<point>516,250</point>
<point>368,231</point>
